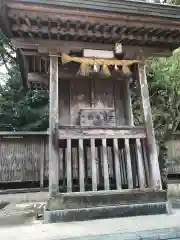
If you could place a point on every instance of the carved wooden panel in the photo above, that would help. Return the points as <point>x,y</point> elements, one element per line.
<point>97,117</point>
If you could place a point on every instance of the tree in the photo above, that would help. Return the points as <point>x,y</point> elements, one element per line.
<point>22,110</point>
<point>164,87</point>
<point>7,52</point>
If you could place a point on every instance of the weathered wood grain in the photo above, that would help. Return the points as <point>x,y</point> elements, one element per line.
<point>117,165</point>
<point>80,97</point>
<point>81,166</point>
<point>103,94</point>
<point>53,120</point>
<point>129,167</point>
<point>140,164</point>
<point>69,166</point>
<point>155,180</point>
<point>105,164</point>
<point>119,103</point>
<point>42,151</point>
<point>94,166</point>
<point>64,102</point>
<point>87,133</point>
<point>21,159</point>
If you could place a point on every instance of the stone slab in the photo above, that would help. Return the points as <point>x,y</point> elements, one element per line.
<point>104,212</point>
<point>102,198</point>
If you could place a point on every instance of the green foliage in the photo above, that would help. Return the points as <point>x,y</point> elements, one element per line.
<point>175,2</point>
<point>7,52</point>
<point>164,86</point>
<point>22,110</point>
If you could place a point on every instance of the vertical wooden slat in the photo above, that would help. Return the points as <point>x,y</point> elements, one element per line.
<point>105,164</point>
<point>146,165</point>
<point>94,167</point>
<point>129,167</point>
<point>110,161</point>
<point>42,159</point>
<point>81,166</point>
<point>151,142</point>
<point>117,165</point>
<point>69,166</point>
<point>53,120</point>
<point>60,163</point>
<point>75,164</point>
<point>140,164</point>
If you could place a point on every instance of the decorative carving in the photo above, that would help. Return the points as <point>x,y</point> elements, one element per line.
<point>97,117</point>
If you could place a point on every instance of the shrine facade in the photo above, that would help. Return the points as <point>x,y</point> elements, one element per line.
<point>91,56</point>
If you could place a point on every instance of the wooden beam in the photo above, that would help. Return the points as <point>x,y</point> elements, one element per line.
<point>103,17</point>
<point>14,134</point>
<point>51,30</point>
<point>91,53</point>
<point>45,46</point>
<point>155,178</point>
<point>97,133</point>
<point>53,120</point>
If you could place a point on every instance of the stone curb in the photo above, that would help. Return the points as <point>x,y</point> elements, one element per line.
<point>157,234</point>
<point>83,214</point>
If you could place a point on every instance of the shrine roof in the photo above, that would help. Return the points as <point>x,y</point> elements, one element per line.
<point>99,21</point>
<point>119,6</point>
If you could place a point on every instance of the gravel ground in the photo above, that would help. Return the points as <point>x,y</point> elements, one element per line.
<point>17,221</point>
<point>38,231</point>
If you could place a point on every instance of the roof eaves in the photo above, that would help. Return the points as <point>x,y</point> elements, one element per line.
<point>118,6</point>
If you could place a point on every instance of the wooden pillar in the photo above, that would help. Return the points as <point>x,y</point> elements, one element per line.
<point>155,178</point>
<point>130,122</point>
<point>53,120</point>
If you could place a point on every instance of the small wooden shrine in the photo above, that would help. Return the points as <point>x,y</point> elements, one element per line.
<point>91,54</point>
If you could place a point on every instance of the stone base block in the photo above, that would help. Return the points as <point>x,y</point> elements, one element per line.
<point>105,198</point>
<point>83,214</point>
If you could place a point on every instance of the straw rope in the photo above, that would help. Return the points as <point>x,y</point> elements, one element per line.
<point>85,64</point>
<point>90,61</point>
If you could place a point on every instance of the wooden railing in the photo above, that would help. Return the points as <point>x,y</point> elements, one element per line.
<point>94,159</point>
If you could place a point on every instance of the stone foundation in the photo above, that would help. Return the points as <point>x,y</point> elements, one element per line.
<point>101,205</point>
